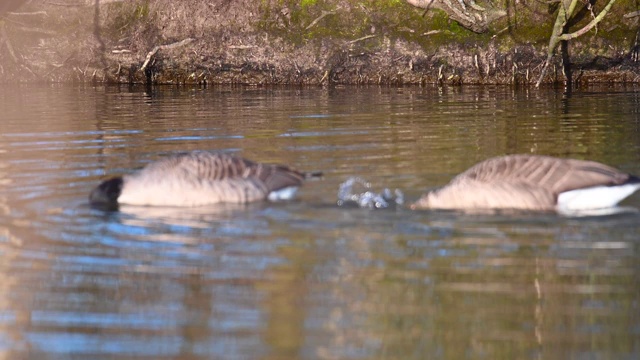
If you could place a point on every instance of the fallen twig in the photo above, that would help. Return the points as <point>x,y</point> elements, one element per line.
<point>500,32</point>
<point>242,47</point>
<point>36,30</point>
<point>631,14</point>
<point>164,47</point>
<point>361,39</point>
<point>431,32</point>
<point>54,3</point>
<point>35,13</point>
<point>314,22</point>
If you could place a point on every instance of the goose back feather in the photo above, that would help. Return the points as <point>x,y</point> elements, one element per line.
<point>531,182</point>
<point>198,178</point>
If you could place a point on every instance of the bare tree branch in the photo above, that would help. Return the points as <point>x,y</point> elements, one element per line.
<point>565,12</point>
<point>590,25</point>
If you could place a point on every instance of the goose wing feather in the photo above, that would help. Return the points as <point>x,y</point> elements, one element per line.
<point>520,182</point>
<point>276,177</point>
<point>478,195</point>
<point>201,177</point>
<point>202,166</point>
<point>554,174</point>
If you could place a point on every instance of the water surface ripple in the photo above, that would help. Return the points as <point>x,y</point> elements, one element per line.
<point>310,279</point>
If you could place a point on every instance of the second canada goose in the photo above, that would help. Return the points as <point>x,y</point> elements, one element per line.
<point>533,182</point>
<point>200,178</point>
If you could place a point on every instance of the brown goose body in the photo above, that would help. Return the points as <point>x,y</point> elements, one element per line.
<point>200,178</point>
<point>532,182</point>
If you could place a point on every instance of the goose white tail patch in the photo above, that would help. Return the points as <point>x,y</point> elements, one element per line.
<point>598,197</point>
<point>287,193</point>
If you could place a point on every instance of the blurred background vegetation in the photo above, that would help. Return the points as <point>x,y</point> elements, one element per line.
<point>312,41</point>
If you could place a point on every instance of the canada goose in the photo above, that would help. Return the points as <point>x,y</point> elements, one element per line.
<point>200,178</point>
<point>532,182</point>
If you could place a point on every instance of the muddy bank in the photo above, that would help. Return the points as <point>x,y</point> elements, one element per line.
<point>300,42</point>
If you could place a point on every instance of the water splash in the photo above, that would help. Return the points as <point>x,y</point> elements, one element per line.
<point>356,190</point>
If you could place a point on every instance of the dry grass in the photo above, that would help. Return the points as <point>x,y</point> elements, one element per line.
<point>271,42</point>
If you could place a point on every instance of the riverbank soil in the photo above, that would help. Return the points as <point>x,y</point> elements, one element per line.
<point>308,42</point>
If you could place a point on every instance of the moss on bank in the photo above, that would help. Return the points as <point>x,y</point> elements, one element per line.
<point>300,42</point>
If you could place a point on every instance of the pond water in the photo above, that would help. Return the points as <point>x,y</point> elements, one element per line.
<point>310,279</point>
